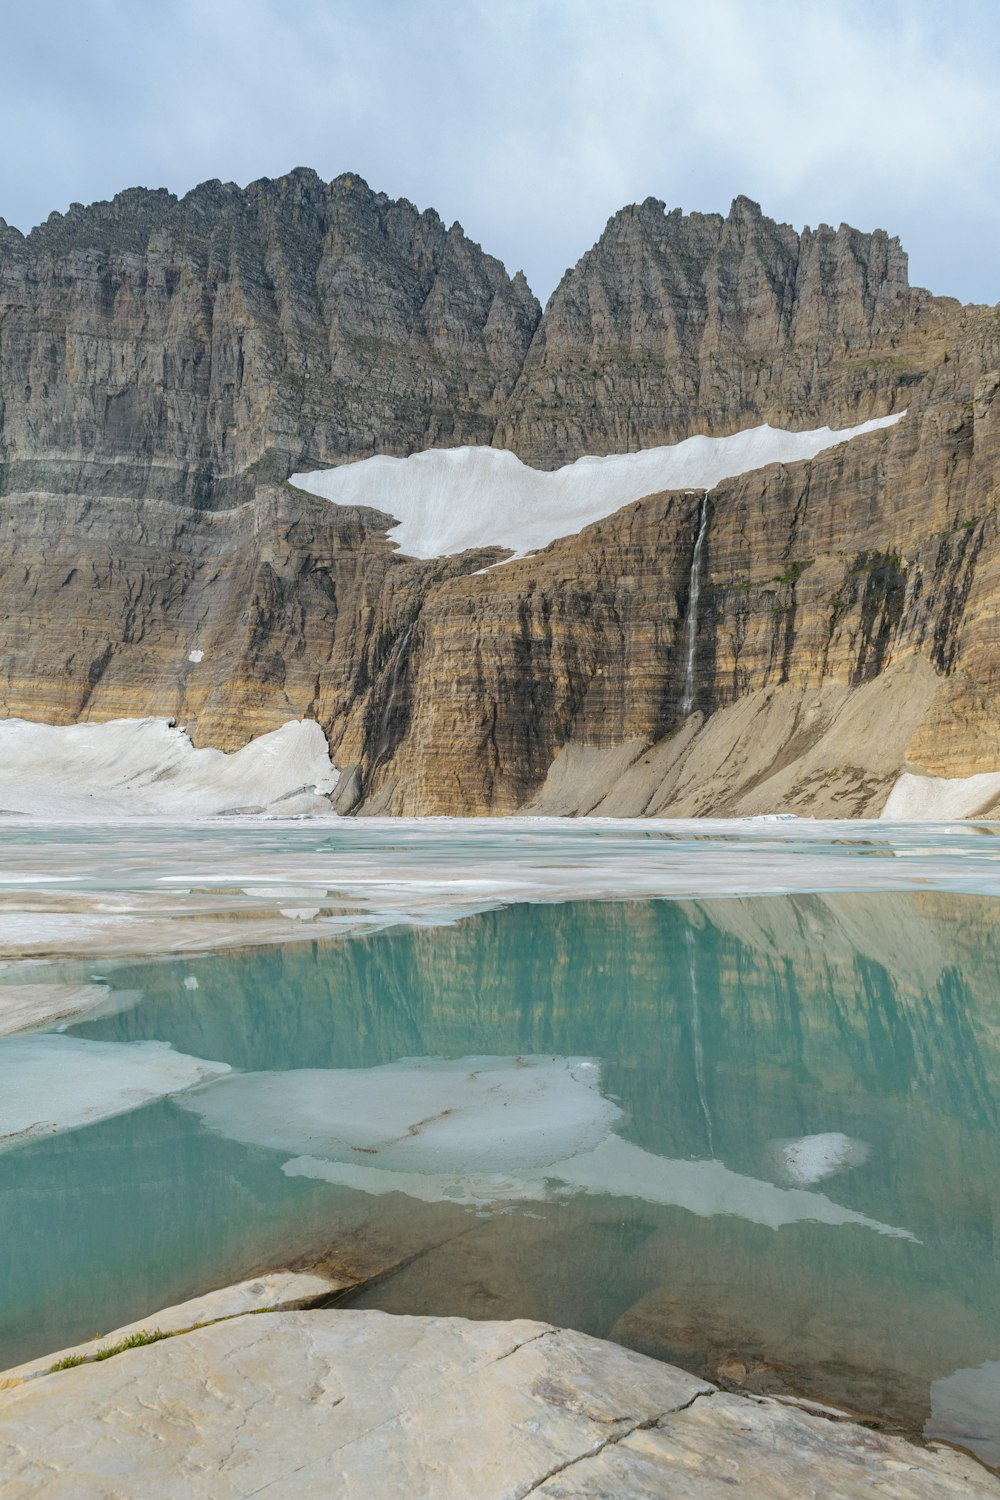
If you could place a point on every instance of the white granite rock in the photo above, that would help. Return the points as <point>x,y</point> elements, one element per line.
<point>274,1291</point>
<point>361,1404</point>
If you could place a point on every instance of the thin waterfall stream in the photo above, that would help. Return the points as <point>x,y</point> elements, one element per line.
<point>691,624</point>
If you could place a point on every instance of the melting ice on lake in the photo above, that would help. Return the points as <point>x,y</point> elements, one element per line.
<point>483,1130</point>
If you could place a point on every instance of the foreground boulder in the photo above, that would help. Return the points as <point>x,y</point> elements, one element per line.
<point>297,1404</point>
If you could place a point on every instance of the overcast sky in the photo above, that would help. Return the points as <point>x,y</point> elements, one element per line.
<point>530,121</point>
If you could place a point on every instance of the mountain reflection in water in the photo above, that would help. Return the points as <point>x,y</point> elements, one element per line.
<point>783,1163</point>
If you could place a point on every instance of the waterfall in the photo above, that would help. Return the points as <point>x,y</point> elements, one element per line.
<point>396,675</point>
<point>691,624</point>
<point>699,1056</point>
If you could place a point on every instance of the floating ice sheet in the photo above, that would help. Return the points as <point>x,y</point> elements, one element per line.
<point>48,1003</point>
<point>450,499</point>
<point>705,1188</point>
<point>163,887</point>
<point>811,1158</point>
<point>483,1130</point>
<point>53,1083</point>
<point>465,1116</point>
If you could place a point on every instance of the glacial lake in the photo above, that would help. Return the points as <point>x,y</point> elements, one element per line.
<point>744,1126</point>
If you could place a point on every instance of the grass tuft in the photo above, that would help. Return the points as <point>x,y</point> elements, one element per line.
<point>134,1341</point>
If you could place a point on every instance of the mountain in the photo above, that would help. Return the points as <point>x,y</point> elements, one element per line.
<point>793,641</point>
<point>189,349</point>
<point>678,324</point>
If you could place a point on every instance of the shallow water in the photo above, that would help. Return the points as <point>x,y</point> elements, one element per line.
<point>763,1129</point>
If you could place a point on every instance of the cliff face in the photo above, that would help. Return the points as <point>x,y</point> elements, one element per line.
<point>846,622</point>
<point>294,607</point>
<point>165,365</point>
<point>674,325</point>
<point>187,347</point>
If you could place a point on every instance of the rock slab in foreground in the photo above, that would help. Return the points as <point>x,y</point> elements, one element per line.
<point>272,1292</point>
<point>364,1404</point>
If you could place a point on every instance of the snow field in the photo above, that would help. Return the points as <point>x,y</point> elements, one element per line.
<point>147,767</point>
<point>447,500</point>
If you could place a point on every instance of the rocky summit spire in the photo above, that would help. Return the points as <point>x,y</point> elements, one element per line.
<point>681,323</point>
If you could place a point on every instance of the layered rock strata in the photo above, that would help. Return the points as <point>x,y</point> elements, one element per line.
<point>186,347</point>
<point>676,324</point>
<point>165,365</point>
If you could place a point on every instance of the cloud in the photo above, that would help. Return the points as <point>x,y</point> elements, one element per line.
<point>533,121</point>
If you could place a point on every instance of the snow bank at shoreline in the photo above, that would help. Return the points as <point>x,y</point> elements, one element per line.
<point>919,799</point>
<point>447,500</point>
<point>149,768</point>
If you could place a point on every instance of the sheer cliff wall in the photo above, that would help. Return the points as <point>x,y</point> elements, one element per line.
<point>166,364</point>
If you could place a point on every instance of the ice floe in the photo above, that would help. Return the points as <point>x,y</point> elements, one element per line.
<point>54,1083</point>
<point>704,1188</point>
<point>449,499</point>
<point>811,1158</point>
<point>149,767</point>
<point>464,1117</point>
<point>166,886</point>
<point>483,1130</point>
<point>47,1002</point>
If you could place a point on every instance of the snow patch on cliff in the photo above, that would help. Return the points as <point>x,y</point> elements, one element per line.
<point>149,768</point>
<point>450,499</point>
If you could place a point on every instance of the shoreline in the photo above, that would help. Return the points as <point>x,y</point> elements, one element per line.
<point>534,1398</point>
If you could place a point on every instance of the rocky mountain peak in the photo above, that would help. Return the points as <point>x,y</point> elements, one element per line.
<point>685,323</point>
<point>191,346</point>
<point>200,350</point>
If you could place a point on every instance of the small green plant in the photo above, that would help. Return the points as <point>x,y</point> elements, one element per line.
<point>134,1341</point>
<point>146,1336</point>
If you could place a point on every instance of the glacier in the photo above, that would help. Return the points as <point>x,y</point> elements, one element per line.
<point>448,500</point>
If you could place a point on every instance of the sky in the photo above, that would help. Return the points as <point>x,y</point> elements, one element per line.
<point>528,121</point>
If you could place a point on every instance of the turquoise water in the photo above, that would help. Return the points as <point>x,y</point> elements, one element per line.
<point>681,1054</point>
